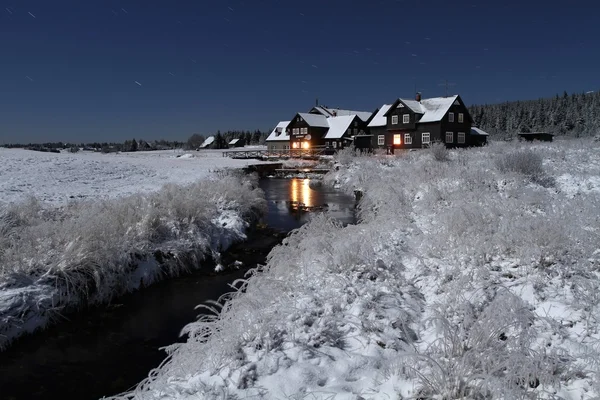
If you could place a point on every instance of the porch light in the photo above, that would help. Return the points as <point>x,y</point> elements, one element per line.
<point>305,145</point>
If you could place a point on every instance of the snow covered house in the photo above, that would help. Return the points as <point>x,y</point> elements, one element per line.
<point>313,130</point>
<point>417,123</point>
<point>208,142</point>
<point>365,116</point>
<point>279,138</point>
<point>236,143</point>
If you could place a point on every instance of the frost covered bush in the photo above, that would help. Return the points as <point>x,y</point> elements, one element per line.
<point>345,156</point>
<point>92,251</point>
<point>440,152</point>
<point>525,162</point>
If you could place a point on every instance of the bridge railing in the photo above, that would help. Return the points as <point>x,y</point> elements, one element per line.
<point>291,153</point>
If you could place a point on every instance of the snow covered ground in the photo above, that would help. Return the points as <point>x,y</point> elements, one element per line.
<point>83,228</point>
<point>58,178</point>
<point>475,277</point>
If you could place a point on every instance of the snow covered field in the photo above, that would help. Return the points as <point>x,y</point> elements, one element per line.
<point>477,276</point>
<point>58,178</point>
<point>86,227</point>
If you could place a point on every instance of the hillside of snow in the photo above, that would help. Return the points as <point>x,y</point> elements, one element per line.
<point>472,274</point>
<point>85,228</point>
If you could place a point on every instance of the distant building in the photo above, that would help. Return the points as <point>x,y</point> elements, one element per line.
<point>478,137</point>
<point>208,142</point>
<point>312,130</point>
<point>541,136</point>
<point>279,138</point>
<point>237,143</point>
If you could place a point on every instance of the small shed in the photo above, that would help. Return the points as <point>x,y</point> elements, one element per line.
<point>541,136</point>
<point>477,137</point>
<point>237,143</point>
<point>363,143</point>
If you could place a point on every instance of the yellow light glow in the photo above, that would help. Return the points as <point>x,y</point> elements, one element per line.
<point>305,145</point>
<point>301,193</point>
<point>295,145</point>
<point>397,139</point>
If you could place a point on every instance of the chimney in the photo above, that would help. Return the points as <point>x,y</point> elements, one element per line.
<point>418,97</point>
<point>335,113</point>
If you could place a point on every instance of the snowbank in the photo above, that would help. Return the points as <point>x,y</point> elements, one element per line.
<point>468,278</point>
<point>87,251</point>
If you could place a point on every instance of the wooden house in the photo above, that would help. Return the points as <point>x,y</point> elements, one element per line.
<point>420,122</point>
<point>279,138</point>
<point>311,130</point>
<point>237,143</point>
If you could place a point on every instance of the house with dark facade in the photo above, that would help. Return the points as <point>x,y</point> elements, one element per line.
<point>418,123</point>
<point>313,129</point>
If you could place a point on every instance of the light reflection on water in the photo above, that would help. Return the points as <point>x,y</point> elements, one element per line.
<point>292,202</point>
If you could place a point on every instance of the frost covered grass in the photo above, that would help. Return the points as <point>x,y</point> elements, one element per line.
<point>464,279</point>
<point>91,251</point>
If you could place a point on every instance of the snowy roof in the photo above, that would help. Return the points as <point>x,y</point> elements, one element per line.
<point>315,120</point>
<point>379,118</point>
<point>234,141</point>
<point>279,132</point>
<point>433,109</point>
<point>330,112</point>
<point>207,142</point>
<point>477,131</point>
<point>436,108</point>
<point>338,126</point>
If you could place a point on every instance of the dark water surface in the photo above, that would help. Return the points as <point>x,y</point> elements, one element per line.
<point>106,350</point>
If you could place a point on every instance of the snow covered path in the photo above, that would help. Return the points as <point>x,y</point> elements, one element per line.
<point>467,278</point>
<point>58,178</point>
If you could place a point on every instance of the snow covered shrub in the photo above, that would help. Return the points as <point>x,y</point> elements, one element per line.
<point>90,251</point>
<point>440,152</point>
<point>525,162</point>
<point>345,156</point>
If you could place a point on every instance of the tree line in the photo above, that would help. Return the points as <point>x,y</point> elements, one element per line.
<point>576,115</point>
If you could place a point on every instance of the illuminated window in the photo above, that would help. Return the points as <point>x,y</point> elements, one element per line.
<point>449,137</point>
<point>394,119</point>
<point>461,118</point>
<point>296,145</point>
<point>461,137</point>
<point>406,118</point>
<point>451,117</point>
<point>398,139</point>
<point>305,145</point>
<point>380,140</point>
<point>407,138</point>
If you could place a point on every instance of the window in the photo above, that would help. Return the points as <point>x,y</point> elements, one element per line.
<point>334,145</point>
<point>380,140</point>
<point>354,131</point>
<point>407,138</point>
<point>406,119</point>
<point>296,145</point>
<point>278,131</point>
<point>461,137</point>
<point>461,118</point>
<point>304,131</point>
<point>296,131</point>
<point>425,138</point>
<point>449,137</point>
<point>397,139</point>
<point>451,117</point>
<point>394,119</point>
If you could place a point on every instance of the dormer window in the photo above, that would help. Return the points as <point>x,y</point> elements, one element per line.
<point>461,118</point>
<point>451,117</point>
<point>394,120</point>
<point>278,131</point>
<point>406,118</point>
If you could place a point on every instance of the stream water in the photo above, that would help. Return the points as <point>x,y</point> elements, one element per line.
<point>106,350</point>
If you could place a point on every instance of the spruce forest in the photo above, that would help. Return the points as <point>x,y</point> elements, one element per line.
<point>574,115</point>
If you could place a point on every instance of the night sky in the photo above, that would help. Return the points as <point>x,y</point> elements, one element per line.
<point>114,70</point>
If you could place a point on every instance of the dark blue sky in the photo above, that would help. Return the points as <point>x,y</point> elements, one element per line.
<point>68,69</point>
